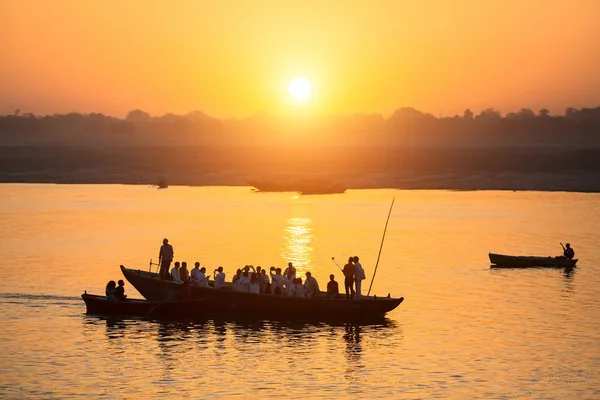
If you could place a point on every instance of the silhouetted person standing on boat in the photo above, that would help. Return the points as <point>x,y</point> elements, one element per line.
<point>290,269</point>
<point>349,278</point>
<point>359,275</point>
<point>568,251</point>
<point>165,256</point>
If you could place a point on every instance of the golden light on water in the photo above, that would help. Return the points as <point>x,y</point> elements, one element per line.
<point>298,237</point>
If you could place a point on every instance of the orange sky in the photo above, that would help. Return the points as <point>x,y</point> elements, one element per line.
<point>234,58</point>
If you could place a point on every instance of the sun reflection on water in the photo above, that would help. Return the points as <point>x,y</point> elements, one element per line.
<point>297,238</point>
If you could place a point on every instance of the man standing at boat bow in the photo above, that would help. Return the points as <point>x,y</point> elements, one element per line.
<point>165,256</point>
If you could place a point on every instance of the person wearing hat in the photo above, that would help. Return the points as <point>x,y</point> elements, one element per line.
<point>165,256</point>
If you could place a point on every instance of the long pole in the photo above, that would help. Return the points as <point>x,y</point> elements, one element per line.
<point>381,247</point>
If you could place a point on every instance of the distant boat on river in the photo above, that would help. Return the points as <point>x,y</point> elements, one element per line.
<point>504,261</point>
<point>304,186</point>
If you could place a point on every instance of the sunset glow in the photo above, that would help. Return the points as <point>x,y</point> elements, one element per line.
<point>230,60</point>
<point>299,89</point>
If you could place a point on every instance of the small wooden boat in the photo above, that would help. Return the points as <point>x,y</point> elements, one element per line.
<point>226,301</point>
<point>504,261</point>
<point>170,308</point>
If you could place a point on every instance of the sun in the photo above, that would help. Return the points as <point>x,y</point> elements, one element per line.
<point>299,89</point>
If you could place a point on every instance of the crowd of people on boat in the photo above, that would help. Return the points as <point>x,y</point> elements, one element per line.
<point>259,280</point>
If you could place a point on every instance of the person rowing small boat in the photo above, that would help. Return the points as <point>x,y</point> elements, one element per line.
<point>568,251</point>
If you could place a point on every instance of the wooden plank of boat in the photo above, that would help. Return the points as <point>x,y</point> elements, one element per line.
<point>506,261</point>
<point>228,301</point>
<point>139,307</point>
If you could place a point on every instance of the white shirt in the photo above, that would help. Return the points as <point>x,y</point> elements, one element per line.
<point>311,285</point>
<point>289,286</point>
<point>202,282</point>
<point>288,269</point>
<point>244,284</point>
<point>254,288</point>
<point>298,290</point>
<point>277,283</point>
<point>359,272</point>
<point>220,280</point>
<point>194,275</point>
<point>175,274</point>
<point>236,283</point>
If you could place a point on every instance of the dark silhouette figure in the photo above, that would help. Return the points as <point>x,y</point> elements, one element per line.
<point>110,290</point>
<point>349,278</point>
<point>165,256</point>
<point>333,289</point>
<point>568,251</point>
<point>120,290</point>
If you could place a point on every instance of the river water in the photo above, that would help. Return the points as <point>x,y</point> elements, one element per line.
<point>463,331</point>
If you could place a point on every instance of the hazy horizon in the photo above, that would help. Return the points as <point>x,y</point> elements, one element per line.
<point>236,59</point>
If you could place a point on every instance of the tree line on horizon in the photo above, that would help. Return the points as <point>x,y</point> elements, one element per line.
<point>406,126</point>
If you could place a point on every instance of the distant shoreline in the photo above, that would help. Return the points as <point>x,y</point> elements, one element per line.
<point>545,183</point>
<point>538,169</point>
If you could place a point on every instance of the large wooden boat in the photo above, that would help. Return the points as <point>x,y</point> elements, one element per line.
<point>227,301</point>
<point>500,260</point>
<point>172,307</point>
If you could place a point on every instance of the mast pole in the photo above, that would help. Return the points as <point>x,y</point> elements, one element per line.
<point>381,247</point>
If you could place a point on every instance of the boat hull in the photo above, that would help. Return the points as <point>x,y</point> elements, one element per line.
<point>226,301</point>
<point>101,305</point>
<point>501,260</point>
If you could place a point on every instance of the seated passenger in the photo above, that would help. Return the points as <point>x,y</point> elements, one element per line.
<point>253,285</point>
<point>184,274</point>
<point>298,289</point>
<point>264,281</point>
<point>194,274</point>
<point>175,273</point>
<point>568,251</point>
<point>219,278</point>
<point>244,285</point>
<point>237,280</point>
<point>288,284</point>
<point>120,290</point>
<point>311,286</point>
<point>110,290</point>
<point>201,278</point>
<point>277,281</point>
<point>333,288</point>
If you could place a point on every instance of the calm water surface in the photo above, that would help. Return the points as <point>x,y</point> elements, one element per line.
<point>464,330</point>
